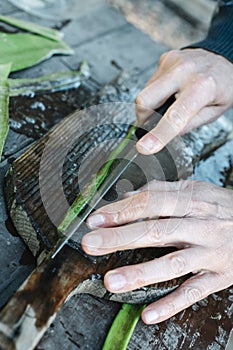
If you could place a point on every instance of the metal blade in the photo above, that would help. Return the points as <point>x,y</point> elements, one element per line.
<point>102,191</point>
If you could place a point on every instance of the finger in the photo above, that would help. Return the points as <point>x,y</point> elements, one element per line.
<point>191,100</point>
<point>207,198</point>
<point>174,71</point>
<point>155,94</point>
<point>145,204</point>
<point>191,291</point>
<point>163,186</point>
<point>205,116</point>
<point>170,60</point>
<point>151,233</point>
<point>155,76</point>
<point>166,268</point>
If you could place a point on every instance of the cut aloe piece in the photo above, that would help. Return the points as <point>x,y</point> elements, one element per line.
<point>4,103</point>
<point>123,327</point>
<point>91,188</point>
<point>50,82</point>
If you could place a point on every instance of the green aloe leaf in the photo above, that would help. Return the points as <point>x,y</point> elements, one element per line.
<point>24,50</point>
<point>123,327</point>
<point>4,103</point>
<point>33,28</point>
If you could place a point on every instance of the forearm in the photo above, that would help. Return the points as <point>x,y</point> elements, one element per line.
<point>220,35</point>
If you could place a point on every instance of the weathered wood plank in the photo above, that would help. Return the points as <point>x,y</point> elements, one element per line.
<point>34,306</point>
<point>92,26</point>
<point>101,52</point>
<point>81,310</point>
<point>199,11</point>
<point>17,269</point>
<point>7,8</point>
<point>15,142</point>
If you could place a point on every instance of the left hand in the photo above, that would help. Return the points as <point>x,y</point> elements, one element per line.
<point>195,217</point>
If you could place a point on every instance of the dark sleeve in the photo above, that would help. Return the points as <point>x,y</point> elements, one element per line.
<point>220,35</point>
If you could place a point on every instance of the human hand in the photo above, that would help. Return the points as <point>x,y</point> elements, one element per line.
<point>202,84</point>
<point>195,217</point>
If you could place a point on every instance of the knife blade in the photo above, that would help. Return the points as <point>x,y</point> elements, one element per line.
<point>129,155</point>
<point>102,191</point>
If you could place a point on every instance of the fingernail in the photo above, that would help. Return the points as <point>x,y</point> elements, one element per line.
<point>93,241</point>
<point>131,193</point>
<point>95,220</point>
<point>116,281</point>
<point>150,144</point>
<point>151,316</point>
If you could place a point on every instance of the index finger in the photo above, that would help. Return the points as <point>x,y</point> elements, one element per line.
<point>142,205</point>
<point>191,100</point>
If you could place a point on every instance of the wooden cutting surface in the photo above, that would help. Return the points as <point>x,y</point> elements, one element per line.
<point>100,37</point>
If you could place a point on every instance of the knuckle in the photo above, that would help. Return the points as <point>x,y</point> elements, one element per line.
<point>188,187</point>
<point>206,82</point>
<point>140,99</point>
<point>143,98</point>
<point>177,119</point>
<point>199,186</point>
<point>181,185</point>
<point>188,64</point>
<point>200,208</point>
<point>142,198</point>
<point>134,208</point>
<point>178,69</point>
<point>154,232</point>
<point>186,184</point>
<point>177,264</point>
<point>200,80</point>
<point>138,275</point>
<point>193,294</point>
<point>162,58</point>
<point>202,189</point>
<point>169,56</point>
<point>209,227</point>
<point>223,212</point>
<point>184,64</point>
<point>226,225</point>
<point>212,83</point>
<point>119,216</point>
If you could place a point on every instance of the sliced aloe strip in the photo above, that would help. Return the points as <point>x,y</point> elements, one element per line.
<point>49,82</point>
<point>89,191</point>
<point>123,327</point>
<point>4,103</point>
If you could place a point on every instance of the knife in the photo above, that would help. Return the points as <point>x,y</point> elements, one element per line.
<point>129,154</point>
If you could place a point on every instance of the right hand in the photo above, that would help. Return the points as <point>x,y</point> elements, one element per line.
<point>202,84</point>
